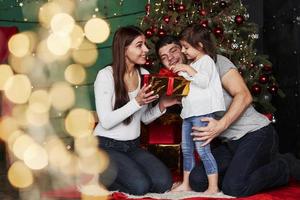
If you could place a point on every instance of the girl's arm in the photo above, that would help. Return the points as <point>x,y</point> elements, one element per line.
<point>199,75</point>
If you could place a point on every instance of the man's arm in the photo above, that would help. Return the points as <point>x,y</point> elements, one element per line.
<point>234,84</point>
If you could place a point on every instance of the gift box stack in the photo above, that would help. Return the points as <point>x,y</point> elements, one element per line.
<point>164,135</point>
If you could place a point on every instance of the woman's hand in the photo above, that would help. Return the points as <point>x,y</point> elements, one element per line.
<point>144,96</point>
<point>207,133</point>
<point>167,101</point>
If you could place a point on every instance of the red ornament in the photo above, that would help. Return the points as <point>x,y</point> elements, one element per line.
<point>180,8</point>
<point>267,68</point>
<point>166,19</point>
<point>203,12</point>
<point>239,19</point>
<point>218,31</point>
<point>269,116</point>
<point>204,23</point>
<point>223,4</point>
<point>149,33</point>
<point>273,89</point>
<point>240,71</point>
<point>263,79</point>
<point>161,32</point>
<point>256,89</point>
<point>147,8</point>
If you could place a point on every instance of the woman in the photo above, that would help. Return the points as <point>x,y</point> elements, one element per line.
<point>121,104</point>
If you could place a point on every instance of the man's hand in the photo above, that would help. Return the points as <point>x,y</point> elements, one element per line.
<point>207,133</point>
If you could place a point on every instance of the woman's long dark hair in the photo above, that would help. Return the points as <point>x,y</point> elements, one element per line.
<point>196,33</point>
<point>122,39</point>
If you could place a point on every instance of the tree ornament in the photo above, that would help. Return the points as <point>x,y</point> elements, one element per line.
<point>273,89</point>
<point>256,89</point>
<point>267,68</point>
<point>203,12</point>
<point>148,63</point>
<point>177,20</point>
<point>252,65</point>
<point>223,4</point>
<point>180,7</point>
<point>166,19</point>
<point>239,19</point>
<point>149,33</point>
<point>161,32</point>
<point>171,6</point>
<point>269,116</point>
<point>204,23</point>
<point>263,79</point>
<point>147,8</point>
<point>218,31</point>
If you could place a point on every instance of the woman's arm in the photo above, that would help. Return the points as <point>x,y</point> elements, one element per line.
<point>104,93</point>
<point>234,84</point>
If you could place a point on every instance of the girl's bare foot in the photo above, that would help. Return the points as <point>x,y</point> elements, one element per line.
<point>210,191</point>
<point>181,188</point>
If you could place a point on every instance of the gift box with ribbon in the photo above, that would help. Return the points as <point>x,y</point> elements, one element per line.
<point>167,83</point>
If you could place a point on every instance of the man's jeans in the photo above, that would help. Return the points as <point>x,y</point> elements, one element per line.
<point>246,166</point>
<point>188,146</point>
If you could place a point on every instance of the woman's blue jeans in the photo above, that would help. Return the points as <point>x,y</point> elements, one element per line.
<point>133,170</point>
<point>188,146</point>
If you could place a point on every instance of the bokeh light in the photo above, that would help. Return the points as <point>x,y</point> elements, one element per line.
<point>58,44</point>
<point>19,175</point>
<point>18,89</point>
<point>7,126</point>
<point>39,101</point>
<point>62,96</point>
<point>5,73</point>
<point>93,192</point>
<point>79,123</point>
<point>35,157</point>
<point>86,146</point>
<point>21,144</point>
<point>19,114</point>
<point>37,118</point>
<point>97,30</point>
<point>76,36</point>
<point>23,65</point>
<point>86,54</point>
<point>19,45</point>
<point>47,11</point>
<point>75,74</point>
<point>94,163</point>
<point>62,24</point>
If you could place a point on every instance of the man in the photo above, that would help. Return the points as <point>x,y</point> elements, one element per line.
<point>247,158</point>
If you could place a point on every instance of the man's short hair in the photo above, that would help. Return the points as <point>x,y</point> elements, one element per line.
<point>168,39</point>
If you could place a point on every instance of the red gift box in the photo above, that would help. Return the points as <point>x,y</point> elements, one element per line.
<point>167,83</point>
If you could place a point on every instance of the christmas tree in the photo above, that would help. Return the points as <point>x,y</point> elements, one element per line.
<point>234,36</point>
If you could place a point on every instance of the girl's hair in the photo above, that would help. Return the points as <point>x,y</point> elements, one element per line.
<point>122,39</point>
<point>196,33</point>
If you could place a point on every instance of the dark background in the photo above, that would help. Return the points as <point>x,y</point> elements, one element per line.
<point>279,22</point>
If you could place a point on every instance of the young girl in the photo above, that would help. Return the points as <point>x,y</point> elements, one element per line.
<point>204,99</point>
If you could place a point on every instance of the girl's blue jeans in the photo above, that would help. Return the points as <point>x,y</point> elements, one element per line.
<point>188,146</point>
